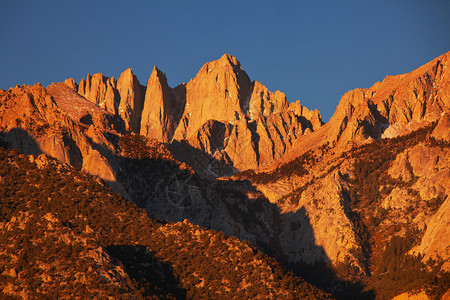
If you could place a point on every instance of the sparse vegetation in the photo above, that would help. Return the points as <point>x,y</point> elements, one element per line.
<point>393,270</point>
<point>297,166</point>
<point>54,218</point>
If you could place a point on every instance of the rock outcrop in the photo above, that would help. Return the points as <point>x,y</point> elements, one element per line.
<point>260,126</point>
<point>218,92</point>
<point>99,90</point>
<point>131,100</point>
<point>162,109</point>
<point>433,245</point>
<point>123,98</point>
<point>263,102</point>
<point>441,131</point>
<point>429,169</point>
<point>313,116</point>
<point>71,84</point>
<point>396,106</point>
<point>413,296</point>
<point>251,143</point>
<point>81,110</point>
<point>58,122</point>
<point>322,209</point>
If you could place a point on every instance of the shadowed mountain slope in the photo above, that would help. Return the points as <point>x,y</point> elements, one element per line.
<point>64,234</point>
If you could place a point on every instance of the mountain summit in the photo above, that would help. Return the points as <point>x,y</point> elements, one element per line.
<point>208,113</point>
<point>393,107</point>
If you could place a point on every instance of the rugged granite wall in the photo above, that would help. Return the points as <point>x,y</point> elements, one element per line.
<point>329,175</point>
<point>131,100</point>
<point>393,107</point>
<point>98,89</point>
<point>163,108</point>
<point>260,126</point>
<point>429,169</point>
<point>313,116</point>
<point>60,123</point>
<point>123,98</point>
<point>218,92</point>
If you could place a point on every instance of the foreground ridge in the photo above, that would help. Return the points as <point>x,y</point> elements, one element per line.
<point>63,234</point>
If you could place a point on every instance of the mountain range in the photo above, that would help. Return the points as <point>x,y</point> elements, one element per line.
<point>357,207</point>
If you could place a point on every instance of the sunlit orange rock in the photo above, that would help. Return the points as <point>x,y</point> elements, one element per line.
<point>163,107</point>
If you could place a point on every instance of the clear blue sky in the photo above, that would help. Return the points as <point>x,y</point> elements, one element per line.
<point>314,51</point>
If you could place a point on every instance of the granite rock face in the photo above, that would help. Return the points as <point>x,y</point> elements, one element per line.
<point>162,109</point>
<point>99,90</point>
<point>59,122</point>
<point>259,125</point>
<point>124,97</point>
<point>396,106</point>
<point>218,92</point>
<point>131,100</point>
<point>412,193</point>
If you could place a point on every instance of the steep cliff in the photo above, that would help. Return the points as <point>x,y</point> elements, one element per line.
<point>260,126</point>
<point>131,100</point>
<point>58,122</point>
<point>99,90</point>
<point>218,92</point>
<point>123,98</point>
<point>396,106</point>
<point>163,108</point>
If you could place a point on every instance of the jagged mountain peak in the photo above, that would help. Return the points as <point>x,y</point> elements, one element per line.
<point>230,58</point>
<point>157,72</point>
<point>127,73</point>
<point>221,91</point>
<point>219,69</point>
<point>395,106</point>
<point>224,61</point>
<point>71,84</point>
<point>162,108</point>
